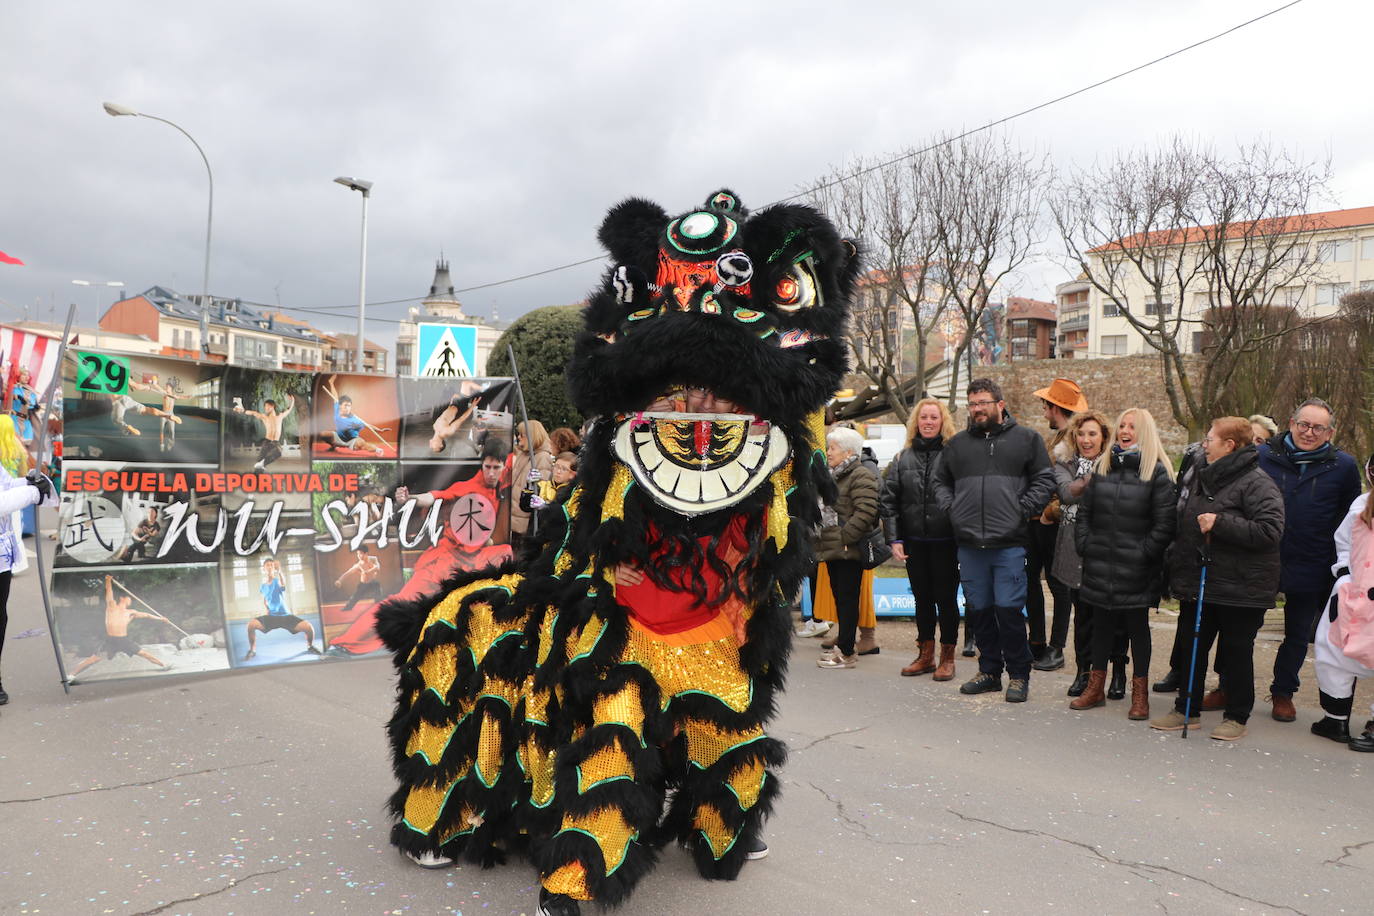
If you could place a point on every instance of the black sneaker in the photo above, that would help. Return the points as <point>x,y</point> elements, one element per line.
<point>1365,741</point>
<point>1052,659</point>
<point>1169,684</point>
<point>1018,688</point>
<point>557,905</point>
<point>982,683</point>
<point>755,848</point>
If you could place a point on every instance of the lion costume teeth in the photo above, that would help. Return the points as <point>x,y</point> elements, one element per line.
<point>545,706</point>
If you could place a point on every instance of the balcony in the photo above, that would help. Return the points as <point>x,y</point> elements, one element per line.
<point>1078,323</point>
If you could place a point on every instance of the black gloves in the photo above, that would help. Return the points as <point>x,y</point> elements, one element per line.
<point>40,483</point>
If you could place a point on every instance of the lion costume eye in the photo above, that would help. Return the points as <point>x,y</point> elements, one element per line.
<point>797,288</point>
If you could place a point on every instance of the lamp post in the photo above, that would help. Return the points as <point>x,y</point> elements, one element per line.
<point>364,188</point>
<point>115,110</point>
<point>93,284</point>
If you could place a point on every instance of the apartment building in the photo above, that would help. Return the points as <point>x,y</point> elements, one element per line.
<point>1339,244</point>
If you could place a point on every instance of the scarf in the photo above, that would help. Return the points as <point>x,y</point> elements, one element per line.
<point>1303,459</point>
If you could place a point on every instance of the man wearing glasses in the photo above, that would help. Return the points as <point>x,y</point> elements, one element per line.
<point>991,478</point>
<point>1319,482</point>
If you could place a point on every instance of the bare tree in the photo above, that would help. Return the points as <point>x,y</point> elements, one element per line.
<point>886,205</point>
<point>986,196</point>
<point>1199,253</point>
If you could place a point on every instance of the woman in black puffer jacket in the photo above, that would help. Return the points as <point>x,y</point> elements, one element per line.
<point>1234,510</point>
<point>922,537</point>
<point>1125,524</point>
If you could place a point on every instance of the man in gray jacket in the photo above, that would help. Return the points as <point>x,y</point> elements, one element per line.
<point>994,476</point>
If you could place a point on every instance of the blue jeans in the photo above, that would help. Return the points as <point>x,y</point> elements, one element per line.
<point>1300,612</point>
<point>994,581</point>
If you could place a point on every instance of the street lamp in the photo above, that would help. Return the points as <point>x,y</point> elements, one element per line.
<point>115,110</point>
<point>95,283</point>
<point>363,187</point>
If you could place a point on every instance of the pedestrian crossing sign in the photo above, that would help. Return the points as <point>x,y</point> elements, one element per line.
<point>446,351</point>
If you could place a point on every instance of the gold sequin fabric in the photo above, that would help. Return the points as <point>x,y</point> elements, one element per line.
<point>711,668</point>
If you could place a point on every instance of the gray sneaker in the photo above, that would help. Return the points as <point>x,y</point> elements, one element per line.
<point>1173,721</point>
<point>1229,730</point>
<point>1018,688</point>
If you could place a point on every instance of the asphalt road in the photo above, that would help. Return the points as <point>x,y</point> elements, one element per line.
<point>261,792</point>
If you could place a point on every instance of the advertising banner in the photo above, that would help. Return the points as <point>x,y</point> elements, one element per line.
<point>217,517</point>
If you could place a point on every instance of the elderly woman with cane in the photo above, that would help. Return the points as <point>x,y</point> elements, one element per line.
<point>1224,570</point>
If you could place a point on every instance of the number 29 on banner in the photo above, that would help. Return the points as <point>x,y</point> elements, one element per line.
<point>102,374</point>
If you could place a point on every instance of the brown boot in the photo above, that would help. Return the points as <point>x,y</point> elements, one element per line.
<point>1140,699</point>
<point>1214,700</point>
<point>925,661</point>
<point>1094,694</point>
<point>946,670</point>
<point>868,642</point>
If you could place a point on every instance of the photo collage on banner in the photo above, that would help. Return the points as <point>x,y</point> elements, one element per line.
<point>218,517</point>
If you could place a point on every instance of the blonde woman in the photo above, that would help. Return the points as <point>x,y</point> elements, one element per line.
<point>532,456</point>
<point>1126,521</point>
<point>923,538</point>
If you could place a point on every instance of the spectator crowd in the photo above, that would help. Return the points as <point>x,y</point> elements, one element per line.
<point>1250,514</point>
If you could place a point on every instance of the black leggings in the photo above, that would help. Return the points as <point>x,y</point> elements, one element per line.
<point>1137,623</point>
<point>6,578</point>
<point>1083,635</point>
<point>933,570</point>
<point>846,576</point>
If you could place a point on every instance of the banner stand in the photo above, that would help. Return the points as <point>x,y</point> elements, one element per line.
<point>54,386</point>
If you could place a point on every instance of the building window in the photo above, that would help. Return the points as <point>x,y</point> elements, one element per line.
<point>1329,294</point>
<point>1367,248</point>
<point>1366,285</point>
<point>1197,341</point>
<point>1114,345</point>
<point>1337,251</point>
<point>1110,310</point>
<point>1159,307</point>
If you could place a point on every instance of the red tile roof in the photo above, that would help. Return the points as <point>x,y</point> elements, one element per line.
<point>1021,307</point>
<point>1304,222</point>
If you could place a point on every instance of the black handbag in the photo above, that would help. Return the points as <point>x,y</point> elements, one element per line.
<point>874,550</point>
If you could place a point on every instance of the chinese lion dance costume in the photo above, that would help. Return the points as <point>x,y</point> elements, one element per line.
<point>548,705</point>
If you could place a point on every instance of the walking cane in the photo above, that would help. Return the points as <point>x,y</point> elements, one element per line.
<point>1197,627</point>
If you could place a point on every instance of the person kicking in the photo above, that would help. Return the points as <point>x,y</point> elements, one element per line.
<point>118,614</point>
<point>278,616</point>
<point>167,412</point>
<point>272,422</point>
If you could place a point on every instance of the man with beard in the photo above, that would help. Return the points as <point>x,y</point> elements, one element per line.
<point>995,475</point>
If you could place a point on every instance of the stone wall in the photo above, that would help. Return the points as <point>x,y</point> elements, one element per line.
<point>1110,385</point>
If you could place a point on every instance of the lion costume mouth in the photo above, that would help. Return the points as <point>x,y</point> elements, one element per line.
<point>698,463</point>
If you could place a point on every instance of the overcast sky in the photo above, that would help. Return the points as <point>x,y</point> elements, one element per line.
<point>499,133</point>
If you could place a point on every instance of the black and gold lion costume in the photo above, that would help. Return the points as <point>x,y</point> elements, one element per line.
<point>544,707</point>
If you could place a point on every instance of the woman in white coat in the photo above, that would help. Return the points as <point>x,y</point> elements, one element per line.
<point>1344,643</point>
<point>17,493</point>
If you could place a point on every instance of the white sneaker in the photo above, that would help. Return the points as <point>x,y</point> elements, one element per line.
<point>814,627</point>
<point>429,860</point>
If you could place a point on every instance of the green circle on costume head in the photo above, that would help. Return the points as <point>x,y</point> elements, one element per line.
<point>699,225</point>
<point>748,316</point>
